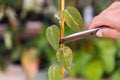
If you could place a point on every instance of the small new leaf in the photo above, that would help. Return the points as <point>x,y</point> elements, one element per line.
<point>72,18</point>
<point>53,36</point>
<point>55,73</point>
<point>64,56</point>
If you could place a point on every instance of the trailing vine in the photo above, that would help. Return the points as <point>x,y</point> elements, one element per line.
<point>54,33</point>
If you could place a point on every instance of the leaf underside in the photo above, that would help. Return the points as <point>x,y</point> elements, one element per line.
<point>53,36</point>
<point>55,73</point>
<point>64,56</point>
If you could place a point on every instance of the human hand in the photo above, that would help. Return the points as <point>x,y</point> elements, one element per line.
<point>109,17</point>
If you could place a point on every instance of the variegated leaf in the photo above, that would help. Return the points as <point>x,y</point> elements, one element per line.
<point>55,73</point>
<point>53,36</point>
<point>65,57</point>
<point>72,18</point>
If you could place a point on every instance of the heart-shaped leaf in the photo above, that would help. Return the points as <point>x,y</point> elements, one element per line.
<point>64,56</point>
<point>53,36</point>
<point>55,73</point>
<point>72,18</point>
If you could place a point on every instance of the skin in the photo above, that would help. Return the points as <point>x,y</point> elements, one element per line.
<point>109,17</point>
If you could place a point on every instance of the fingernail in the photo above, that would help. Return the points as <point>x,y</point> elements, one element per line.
<point>99,34</point>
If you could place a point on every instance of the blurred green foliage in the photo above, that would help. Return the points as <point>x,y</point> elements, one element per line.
<point>2,63</point>
<point>93,58</point>
<point>116,75</point>
<point>7,1</point>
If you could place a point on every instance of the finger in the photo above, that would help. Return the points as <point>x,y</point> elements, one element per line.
<point>114,5</point>
<point>108,33</point>
<point>97,21</point>
<point>100,21</point>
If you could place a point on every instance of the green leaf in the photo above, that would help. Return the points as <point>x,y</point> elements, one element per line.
<point>94,70</point>
<point>72,18</point>
<point>8,39</point>
<point>64,56</point>
<point>53,36</point>
<point>116,75</point>
<point>55,73</point>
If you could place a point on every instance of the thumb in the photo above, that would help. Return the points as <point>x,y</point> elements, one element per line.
<point>108,33</point>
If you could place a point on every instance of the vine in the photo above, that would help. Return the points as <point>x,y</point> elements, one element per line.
<point>54,33</point>
<point>62,25</point>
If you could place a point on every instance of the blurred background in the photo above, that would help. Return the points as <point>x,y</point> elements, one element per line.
<point>25,53</point>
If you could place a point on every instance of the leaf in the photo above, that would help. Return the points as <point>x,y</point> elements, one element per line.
<point>11,14</point>
<point>55,73</point>
<point>53,36</point>
<point>8,40</point>
<point>116,75</point>
<point>94,70</point>
<point>2,14</point>
<point>72,18</point>
<point>64,56</point>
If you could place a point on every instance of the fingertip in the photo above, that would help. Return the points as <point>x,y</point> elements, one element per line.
<point>108,33</point>
<point>94,24</point>
<point>91,26</point>
<point>99,34</point>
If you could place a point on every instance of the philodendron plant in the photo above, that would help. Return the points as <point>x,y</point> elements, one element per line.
<point>54,33</point>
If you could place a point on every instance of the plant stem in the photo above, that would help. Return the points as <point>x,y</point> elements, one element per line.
<point>62,20</point>
<point>62,4</point>
<point>14,25</point>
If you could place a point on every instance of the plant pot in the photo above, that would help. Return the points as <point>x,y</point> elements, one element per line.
<point>30,65</point>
